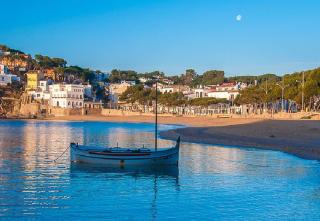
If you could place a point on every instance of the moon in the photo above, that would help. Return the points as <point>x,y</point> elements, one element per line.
<point>238,17</point>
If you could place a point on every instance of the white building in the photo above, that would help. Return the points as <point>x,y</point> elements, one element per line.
<point>6,77</point>
<point>166,90</point>
<point>228,91</point>
<point>167,81</point>
<point>42,93</point>
<point>144,80</point>
<point>174,88</point>
<point>229,95</point>
<point>201,92</point>
<point>67,95</point>
<point>132,83</point>
<point>44,85</point>
<point>4,69</point>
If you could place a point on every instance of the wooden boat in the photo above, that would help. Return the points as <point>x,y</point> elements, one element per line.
<point>115,156</point>
<point>125,156</point>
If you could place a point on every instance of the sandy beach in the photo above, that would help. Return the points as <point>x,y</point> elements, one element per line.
<point>187,121</point>
<point>297,137</point>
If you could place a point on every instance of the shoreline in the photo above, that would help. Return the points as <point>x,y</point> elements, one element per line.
<point>296,137</point>
<point>199,121</point>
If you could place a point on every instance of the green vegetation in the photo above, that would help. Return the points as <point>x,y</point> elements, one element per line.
<point>206,101</point>
<point>85,74</point>
<point>5,48</point>
<point>191,78</point>
<point>252,79</point>
<point>211,77</point>
<point>262,89</point>
<point>47,62</point>
<point>271,91</point>
<point>145,96</point>
<point>153,74</point>
<point>118,75</point>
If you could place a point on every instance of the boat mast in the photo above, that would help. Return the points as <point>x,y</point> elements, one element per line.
<point>156,123</point>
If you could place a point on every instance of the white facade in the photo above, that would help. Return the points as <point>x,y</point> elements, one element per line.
<point>200,92</point>
<point>167,81</point>
<point>132,83</point>
<point>143,80</point>
<point>6,77</point>
<point>41,95</point>
<point>66,95</point>
<point>166,90</point>
<point>43,85</point>
<point>227,91</point>
<point>4,69</point>
<point>229,95</point>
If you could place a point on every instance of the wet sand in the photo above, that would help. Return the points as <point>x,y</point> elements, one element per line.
<point>298,137</point>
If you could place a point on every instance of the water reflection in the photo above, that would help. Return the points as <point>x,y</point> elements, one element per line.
<point>221,182</point>
<point>170,172</point>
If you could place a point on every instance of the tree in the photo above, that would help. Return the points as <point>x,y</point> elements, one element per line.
<point>118,75</point>
<point>47,62</point>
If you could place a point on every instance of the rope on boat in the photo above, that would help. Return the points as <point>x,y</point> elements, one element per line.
<point>61,155</point>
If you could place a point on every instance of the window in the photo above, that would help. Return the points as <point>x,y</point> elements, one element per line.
<point>80,103</point>
<point>80,96</point>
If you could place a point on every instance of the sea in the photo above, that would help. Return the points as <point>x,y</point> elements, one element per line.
<point>38,181</point>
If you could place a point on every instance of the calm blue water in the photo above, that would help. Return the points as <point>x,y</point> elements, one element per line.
<point>211,183</point>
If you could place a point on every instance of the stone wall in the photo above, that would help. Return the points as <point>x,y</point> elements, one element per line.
<point>30,109</point>
<point>92,111</point>
<point>55,111</point>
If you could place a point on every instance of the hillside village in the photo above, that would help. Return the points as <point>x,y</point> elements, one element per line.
<point>42,86</point>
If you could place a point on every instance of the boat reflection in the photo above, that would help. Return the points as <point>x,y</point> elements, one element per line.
<point>168,171</point>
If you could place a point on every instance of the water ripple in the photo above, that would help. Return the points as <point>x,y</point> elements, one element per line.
<point>211,183</point>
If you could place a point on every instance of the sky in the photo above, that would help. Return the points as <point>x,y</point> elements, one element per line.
<point>241,37</point>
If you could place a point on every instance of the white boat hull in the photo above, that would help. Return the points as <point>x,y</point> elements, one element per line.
<point>121,157</point>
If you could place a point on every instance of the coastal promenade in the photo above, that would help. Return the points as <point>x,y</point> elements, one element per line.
<point>291,135</point>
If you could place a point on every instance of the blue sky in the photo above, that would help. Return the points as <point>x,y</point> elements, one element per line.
<point>273,36</point>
